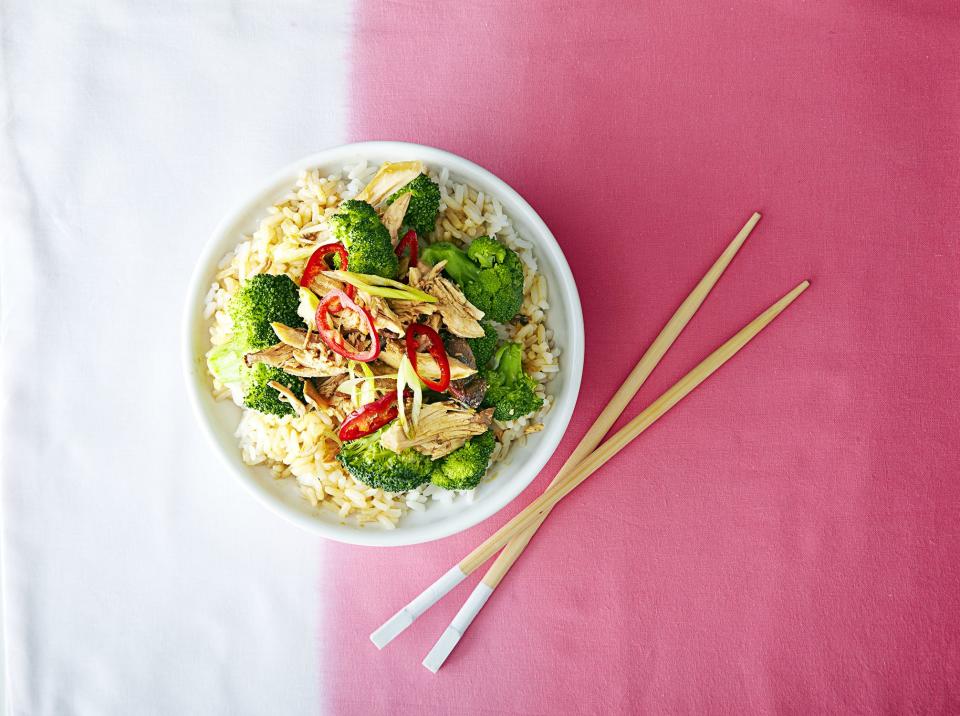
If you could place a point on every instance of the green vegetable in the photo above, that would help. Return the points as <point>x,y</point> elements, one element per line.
<point>379,286</point>
<point>261,397</point>
<point>484,348</point>
<point>510,391</point>
<point>263,299</point>
<point>367,240</point>
<point>225,363</point>
<point>424,204</point>
<point>374,465</point>
<point>465,467</point>
<point>407,379</point>
<point>489,273</point>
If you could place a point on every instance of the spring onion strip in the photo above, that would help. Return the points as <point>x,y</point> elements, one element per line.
<point>407,378</point>
<point>379,286</point>
<point>354,394</point>
<point>368,388</point>
<point>307,309</point>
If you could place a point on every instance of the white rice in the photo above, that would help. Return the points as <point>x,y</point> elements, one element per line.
<point>304,447</point>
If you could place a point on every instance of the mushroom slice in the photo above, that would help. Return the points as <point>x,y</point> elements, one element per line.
<point>469,391</point>
<point>389,178</point>
<point>393,216</point>
<point>287,396</point>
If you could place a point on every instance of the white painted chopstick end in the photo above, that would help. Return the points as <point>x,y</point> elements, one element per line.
<point>451,636</point>
<point>426,599</point>
<point>391,628</point>
<point>442,649</point>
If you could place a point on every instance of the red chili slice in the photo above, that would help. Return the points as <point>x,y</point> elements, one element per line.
<point>409,241</point>
<point>436,349</point>
<point>334,302</point>
<point>369,418</point>
<point>317,263</point>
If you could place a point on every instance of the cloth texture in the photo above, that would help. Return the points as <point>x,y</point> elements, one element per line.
<point>137,578</point>
<point>785,540</point>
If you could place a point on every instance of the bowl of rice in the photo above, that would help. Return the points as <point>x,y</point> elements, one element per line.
<point>289,462</point>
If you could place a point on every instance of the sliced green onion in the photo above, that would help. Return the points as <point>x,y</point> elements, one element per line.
<point>407,378</point>
<point>380,286</point>
<point>354,394</point>
<point>401,405</point>
<point>307,310</point>
<point>368,389</point>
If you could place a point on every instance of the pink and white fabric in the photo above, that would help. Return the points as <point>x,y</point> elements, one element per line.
<point>785,541</point>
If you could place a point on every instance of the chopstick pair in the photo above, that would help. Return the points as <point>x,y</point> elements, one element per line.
<point>584,461</point>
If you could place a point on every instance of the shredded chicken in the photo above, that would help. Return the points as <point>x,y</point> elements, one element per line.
<point>383,315</point>
<point>293,361</point>
<point>302,353</point>
<point>311,396</point>
<point>393,215</point>
<point>459,315</point>
<point>394,351</point>
<point>443,427</point>
<point>408,312</point>
<point>324,395</point>
<point>287,396</point>
<point>328,388</point>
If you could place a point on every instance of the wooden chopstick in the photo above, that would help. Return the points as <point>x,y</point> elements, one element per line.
<point>529,515</point>
<point>406,616</point>
<point>601,426</point>
<point>519,526</point>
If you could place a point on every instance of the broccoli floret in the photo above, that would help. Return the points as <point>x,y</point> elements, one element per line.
<point>465,467</point>
<point>374,465</point>
<point>261,397</point>
<point>489,273</point>
<point>484,348</point>
<point>367,240</point>
<point>424,204</point>
<point>262,300</point>
<point>511,391</point>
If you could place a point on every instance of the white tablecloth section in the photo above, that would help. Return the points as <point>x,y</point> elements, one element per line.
<point>137,577</point>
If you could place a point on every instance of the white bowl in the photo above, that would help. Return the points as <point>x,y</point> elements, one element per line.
<point>220,419</point>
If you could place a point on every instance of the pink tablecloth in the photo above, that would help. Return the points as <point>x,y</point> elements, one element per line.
<point>787,539</point>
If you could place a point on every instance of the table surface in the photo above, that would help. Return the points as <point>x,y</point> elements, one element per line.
<point>785,540</point>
